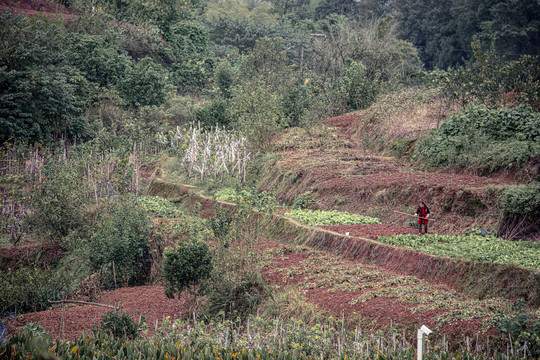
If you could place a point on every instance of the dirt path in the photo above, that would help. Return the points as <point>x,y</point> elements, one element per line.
<point>370,231</point>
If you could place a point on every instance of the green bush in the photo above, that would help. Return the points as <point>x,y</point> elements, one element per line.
<point>359,89</point>
<point>257,112</point>
<point>521,199</point>
<point>221,223</point>
<point>27,289</point>
<point>58,205</point>
<point>144,84</point>
<point>520,209</point>
<point>186,267</point>
<point>295,103</point>
<point>120,325</point>
<point>511,154</point>
<point>233,299</point>
<point>121,237</point>
<point>224,78</point>
<point>484,139</point>
<point>215,113</point>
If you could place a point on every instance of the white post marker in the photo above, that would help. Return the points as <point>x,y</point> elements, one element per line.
<point>422,333</point>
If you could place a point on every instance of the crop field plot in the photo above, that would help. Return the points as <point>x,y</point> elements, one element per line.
<point>349,288</point>
<point>488,249</point>
<point>317,217</point>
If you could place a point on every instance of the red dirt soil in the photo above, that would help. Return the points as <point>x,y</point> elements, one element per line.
<point>383,309</point>
<point>149,300</point>
<point>345,123</point>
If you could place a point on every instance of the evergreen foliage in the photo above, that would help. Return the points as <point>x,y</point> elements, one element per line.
<point>39,89</point>
<point>185,267</point>
<point>121,237</point>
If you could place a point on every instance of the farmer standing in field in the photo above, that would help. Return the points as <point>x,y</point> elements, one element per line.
<point>423,213</point>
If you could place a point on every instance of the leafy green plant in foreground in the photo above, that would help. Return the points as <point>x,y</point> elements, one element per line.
<point>332,217</point>
<point>487,249</point>
<point>522,328</point>
<point>276,339</point>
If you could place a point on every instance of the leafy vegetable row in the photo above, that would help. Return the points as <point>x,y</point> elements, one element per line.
<point>487,249</point>
<point>332,217</point>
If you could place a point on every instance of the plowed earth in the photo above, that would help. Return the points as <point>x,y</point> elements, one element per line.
<point>148,300</point>
<point>330,282</point>
<point>335,285</point>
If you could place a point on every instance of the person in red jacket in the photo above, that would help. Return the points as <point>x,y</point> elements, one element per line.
<point>423,214</point>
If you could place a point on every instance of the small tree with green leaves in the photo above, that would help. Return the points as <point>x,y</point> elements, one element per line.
<point>358,89</point>
<point>185,268</point>
<point>118,245</point>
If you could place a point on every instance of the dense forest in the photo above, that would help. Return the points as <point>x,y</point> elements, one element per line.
<point>134,68</point>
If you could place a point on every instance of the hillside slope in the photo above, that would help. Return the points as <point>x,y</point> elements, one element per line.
<point>332,171</point>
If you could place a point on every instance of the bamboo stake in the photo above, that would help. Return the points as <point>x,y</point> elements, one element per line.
<point>63,318</point>
<point>114,273</point>
<point>418,217</point>
<point>81,302</point>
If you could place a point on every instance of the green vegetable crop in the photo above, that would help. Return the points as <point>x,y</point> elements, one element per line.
<point>477,248</point>
<point>332,217</point>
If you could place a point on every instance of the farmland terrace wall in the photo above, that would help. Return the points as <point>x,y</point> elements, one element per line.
<point>481,280</point>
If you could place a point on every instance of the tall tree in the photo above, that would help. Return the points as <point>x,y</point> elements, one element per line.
<point>39,98</point>
<point>443,33</point>
<point>348,8</point>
